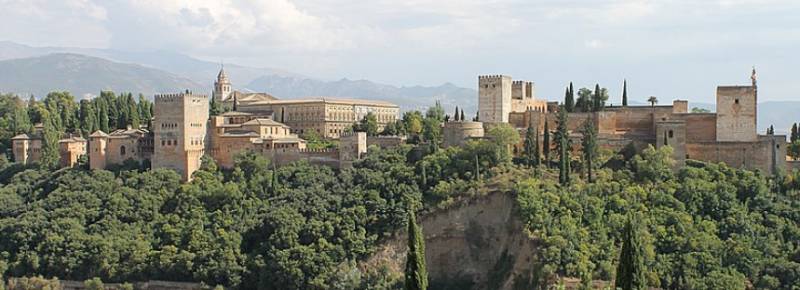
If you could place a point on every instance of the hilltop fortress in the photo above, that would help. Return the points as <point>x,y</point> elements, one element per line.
<point>729,135</point>
<point>182,131</point>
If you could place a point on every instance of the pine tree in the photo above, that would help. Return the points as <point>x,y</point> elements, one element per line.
<point>416,275</point>
<point>631,269</point>
<point>624,93</point>
<point>546,144</point>
<point>589,147</point>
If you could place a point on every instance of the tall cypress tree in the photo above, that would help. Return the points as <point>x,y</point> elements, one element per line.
<point>462,115</point>
<point>21,122</point>
<point>416,273</point>
<point>569,99</point>
<point>631,268</point>
<point>88,117</point>
<point>597,99</point>
<point>624,93</point>
<point>564,146</point>
<point>794,134</point>
<point>51,133</point>
<point>589,147</point>
<point>531,150</point>
<point>456,116</point>
<point>546,144</point>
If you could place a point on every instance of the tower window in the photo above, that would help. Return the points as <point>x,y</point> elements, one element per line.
<point>736,101</point>
<point>670,133</point>
<point>121,150</point>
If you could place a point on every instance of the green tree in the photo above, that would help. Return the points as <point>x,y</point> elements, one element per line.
<point>88,117</point>
<point>564,146</point>
<point>416,273</point>
<point>584,102</point>
<point>21,120</point>
<point>531,148</point>
<point>51,133</point>
<point>589,148</point>
<point>652,100</point>
<point>569,99</point>
<point>214,108</point>
<point>368,124</point>
<point>624,93</point>
<point>93,284</point>
<point>503,136</point>
<point>631,268</point>
<point>793,136</point>
<point>413,122</point>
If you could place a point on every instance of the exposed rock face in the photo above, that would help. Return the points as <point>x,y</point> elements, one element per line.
<point>480,244</point>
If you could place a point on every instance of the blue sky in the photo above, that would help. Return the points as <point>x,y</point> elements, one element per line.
<point>668,48</point>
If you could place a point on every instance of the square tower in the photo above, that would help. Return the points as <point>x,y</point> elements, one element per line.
<point>179,132</point>
<point>494,98</point>
<point>736,113</point>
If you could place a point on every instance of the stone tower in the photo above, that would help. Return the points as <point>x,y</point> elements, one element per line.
<point>222,87</point>
<point>494,98</point>
<point>98,141</point>
<point>736,113</point>
<point>179,132</point>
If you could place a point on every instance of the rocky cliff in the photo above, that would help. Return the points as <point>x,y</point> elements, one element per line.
<point>479,244</point>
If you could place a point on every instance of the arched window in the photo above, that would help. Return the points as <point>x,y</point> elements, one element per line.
<point>121,150</point>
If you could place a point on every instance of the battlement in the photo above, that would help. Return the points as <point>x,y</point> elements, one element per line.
<point>167,98</point>
<point>322,150</point>
<point>492,77</point>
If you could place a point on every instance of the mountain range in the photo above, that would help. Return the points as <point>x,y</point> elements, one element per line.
<point>28,70</point>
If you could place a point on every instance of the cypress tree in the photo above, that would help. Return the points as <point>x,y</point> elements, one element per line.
<point>596,100</point>
<point>589,144</point>
<point>546,144</point>
<point>462,114</point>
<point>624,93</point>
<point>416,275</point>
<point>572,97</point>
<point>569,99</point>
<point>424,177</point>
<point>563,143</point>
<point>794,133</point>
<point>22,121</point>
<point>133,112</point>
<point>88,117</point>
<point>50,136</point>
<point>456,114</point>
<point>631,269</point>
<point>530,146</point>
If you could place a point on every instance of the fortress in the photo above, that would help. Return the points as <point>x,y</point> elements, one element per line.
<point>182,131</point>
<point>728,136</point>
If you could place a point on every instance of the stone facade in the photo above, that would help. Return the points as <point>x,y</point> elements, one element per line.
<point>179,132</point>
<point>118,146</point>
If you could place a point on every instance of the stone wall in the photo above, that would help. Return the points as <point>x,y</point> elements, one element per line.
<point>767,154</point>
<point>457,133</point>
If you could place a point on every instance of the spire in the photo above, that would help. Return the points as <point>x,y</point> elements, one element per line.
<point>222,77</point>
<point>753,76</point>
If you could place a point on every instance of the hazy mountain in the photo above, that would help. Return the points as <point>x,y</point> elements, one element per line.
<point>414,97</point>
<point>80,75</point>
<point>200,71</point>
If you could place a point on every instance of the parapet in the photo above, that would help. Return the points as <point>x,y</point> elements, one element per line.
<point>492,77</point>
<point>166,98</point>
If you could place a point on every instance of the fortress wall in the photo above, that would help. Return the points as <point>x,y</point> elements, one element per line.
<point>386,141</point>
<point>700,127</point>
<point>226,148</point>
<point>766,154</point>
<point>606,123</point>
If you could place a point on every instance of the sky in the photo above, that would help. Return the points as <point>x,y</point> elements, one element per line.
<point>668,48</point>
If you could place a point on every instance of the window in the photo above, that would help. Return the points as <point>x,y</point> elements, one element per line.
<point>670,133</point>
<point>121,150</point>
<point>736,101</point>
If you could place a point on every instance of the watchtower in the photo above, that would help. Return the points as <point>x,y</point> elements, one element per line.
<point>494,98</point>
<point>737,112</point>
<point>179,131</point>
<point>222,87</point>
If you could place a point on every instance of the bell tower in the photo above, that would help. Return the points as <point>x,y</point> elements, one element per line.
<point>222,86</point>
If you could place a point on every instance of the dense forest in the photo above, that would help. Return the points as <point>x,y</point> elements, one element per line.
<point>302,226</point>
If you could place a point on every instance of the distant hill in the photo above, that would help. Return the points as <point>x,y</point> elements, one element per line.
<point>81,75</point>
<point>414,97</point>
<point>199,71</point>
